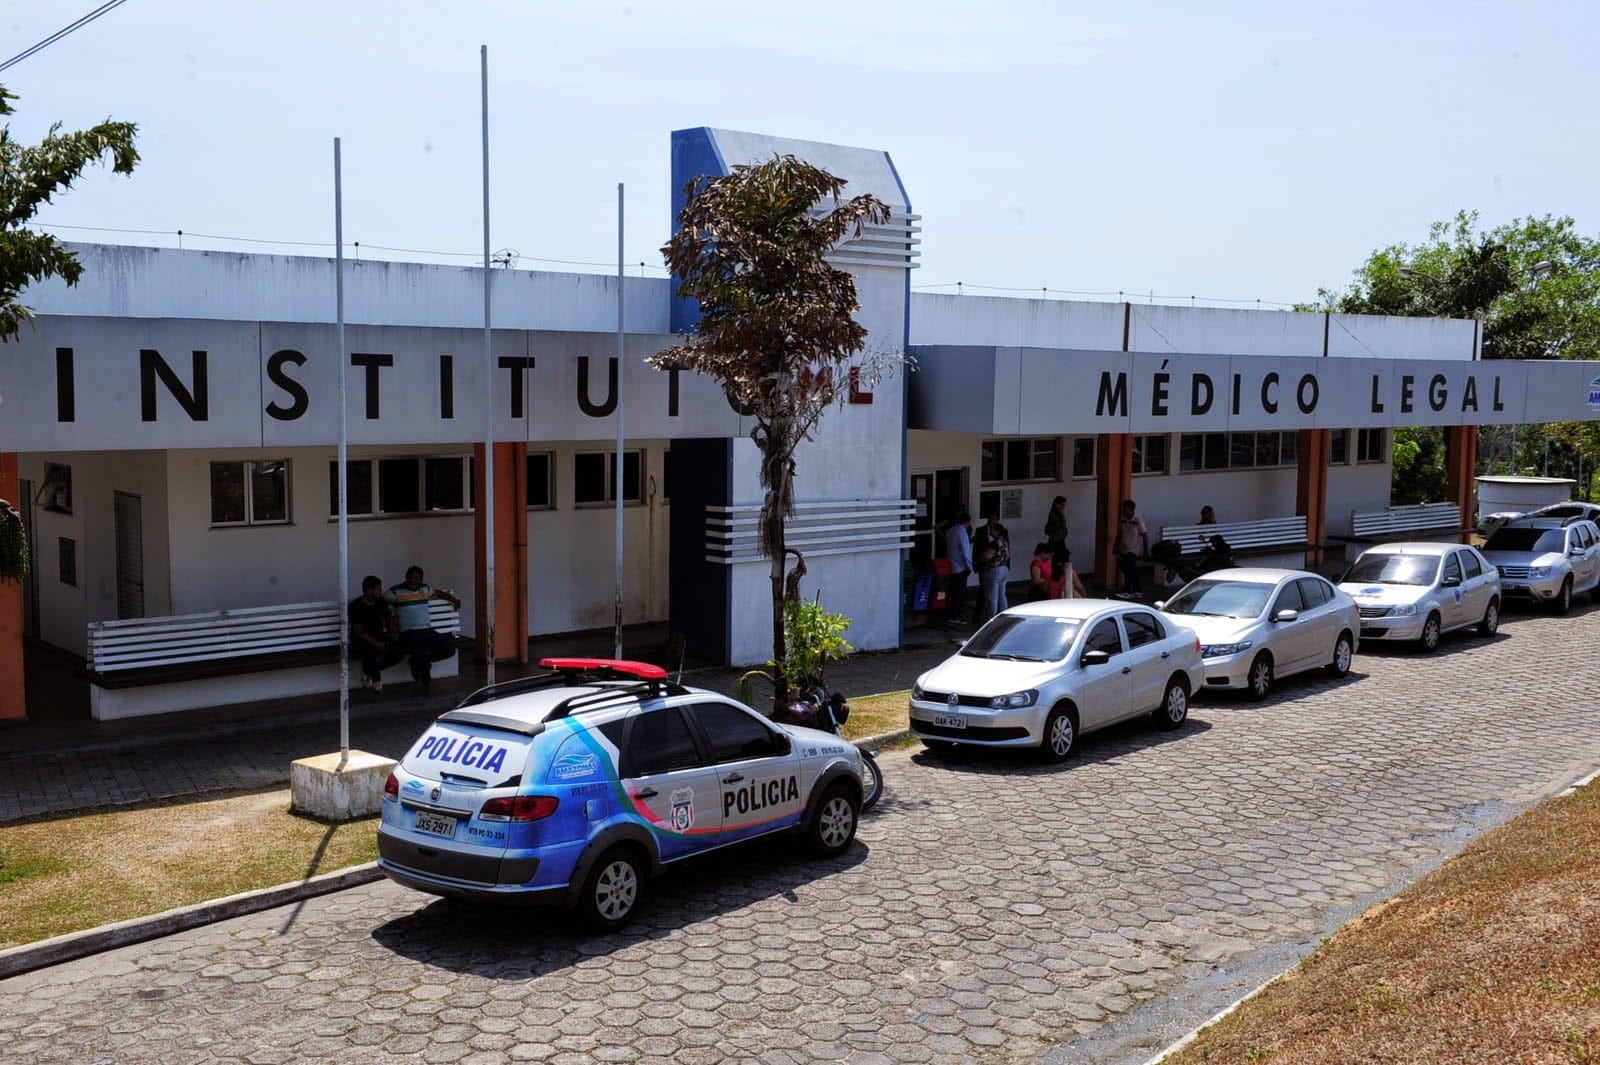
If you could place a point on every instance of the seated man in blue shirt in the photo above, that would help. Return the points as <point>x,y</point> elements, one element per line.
<point>421,642</point>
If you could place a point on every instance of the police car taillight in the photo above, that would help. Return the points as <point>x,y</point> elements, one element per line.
<point>391,787</point>
<point>519,808</point>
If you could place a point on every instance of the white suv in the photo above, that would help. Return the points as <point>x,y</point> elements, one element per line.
<point>1547,560</point>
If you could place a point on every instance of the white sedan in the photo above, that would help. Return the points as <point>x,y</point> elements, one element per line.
<point>1039,674</point>
<point>1417,592</point>
<point>1257,625</point>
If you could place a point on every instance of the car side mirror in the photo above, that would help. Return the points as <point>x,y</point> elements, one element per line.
<point>1161,604</point>
<point>1094,658</point>
<point>1286,615</point>
<point>781,742</point>
<point>1450,582</point>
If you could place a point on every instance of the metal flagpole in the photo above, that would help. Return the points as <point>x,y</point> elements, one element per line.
<point>344,472</point>
<point>620,394</point>
<point>488,396</point>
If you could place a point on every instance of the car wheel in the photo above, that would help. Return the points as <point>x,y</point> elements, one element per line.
<point>1342,654</point>
<point>1491,618</point>
<point>613,889</point>
<point>1562,603</point>
<point>833,826</point>
<point>1429,640</point>
<point>1174,708</point>
<point>1060,732</point>
<point>1259,679</point>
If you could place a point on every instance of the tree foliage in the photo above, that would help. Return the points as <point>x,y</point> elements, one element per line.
<point>1533,283</point>
<point>777,329</point>
<point>29,178</point>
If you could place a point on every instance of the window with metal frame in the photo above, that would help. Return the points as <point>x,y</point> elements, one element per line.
<point>1017,461</point>
<point>404,486</point>
<point>250,492</point>
<point>594,478</point>
<point>1369,445</point>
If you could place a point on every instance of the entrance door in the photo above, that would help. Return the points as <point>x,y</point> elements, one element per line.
<point>127,511</point>
<point>940,495</point>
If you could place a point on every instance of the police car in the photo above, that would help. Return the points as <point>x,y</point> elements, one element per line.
<point>572,787</point>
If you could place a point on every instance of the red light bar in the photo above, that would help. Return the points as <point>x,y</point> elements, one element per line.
<point>618,667</point>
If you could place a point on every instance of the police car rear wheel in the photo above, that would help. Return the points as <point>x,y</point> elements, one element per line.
<point>833,826</point>
<point>612,892</point>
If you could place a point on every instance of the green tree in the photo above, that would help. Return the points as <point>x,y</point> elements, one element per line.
<point>29,177</point>
<point>777,328</point>
<point>1533,283</point>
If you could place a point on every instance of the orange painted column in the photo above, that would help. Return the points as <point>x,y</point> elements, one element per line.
<point>1311,489</point>
<point>1113,470</point>
<point>13,692</point>
<point>510,553</point>
<point>1461,471</point>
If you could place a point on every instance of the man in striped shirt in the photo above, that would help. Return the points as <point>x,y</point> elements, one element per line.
<point>417,636</point>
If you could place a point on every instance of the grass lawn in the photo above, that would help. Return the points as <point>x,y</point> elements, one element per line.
<point>1492,957</point>
<point>873,715</point>
<point>70,873</point>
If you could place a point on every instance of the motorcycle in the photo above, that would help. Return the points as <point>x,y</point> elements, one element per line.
<point>828,713</point>
<point>1215,553</point>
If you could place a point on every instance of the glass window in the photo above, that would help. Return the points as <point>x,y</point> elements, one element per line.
<point>250,492</point>
<point>1024,637</point>
<point>1104,637</point>
<point>1470,563</point>
<point>735,734</point>
<point>1369,445</point>
<point>1241,450</point>
<point>1150,454</point>
<point>990,467</point>
<point>589,477</point>
<point>1142,629</point>
<point>631,492</point>
<point>1267,446</point>
<point>1216,451</point>
<point>1338,447</point>
<point>1189,452</point>
<point>56,492</point>
<point>1313,592</point>
<point>1290,598</point>
<point>227,493</point>
<point>1019,454</point>
<point>660,742</point>
<point>1083,457</point>
<point>1452,567</point>
<point>541,484</point>
<point>399,487</point>
<point>1046,459</point>
<point>445,486</point>
<point>1291,448</point>
<point>358,486</point>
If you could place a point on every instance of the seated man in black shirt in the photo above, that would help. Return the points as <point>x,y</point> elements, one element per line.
<point>372,633</point>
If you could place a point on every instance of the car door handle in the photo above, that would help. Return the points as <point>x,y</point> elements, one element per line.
<point>1127,669</point>
<point>647,793</point>
<point>733,778</point>
<point>1166,654</point>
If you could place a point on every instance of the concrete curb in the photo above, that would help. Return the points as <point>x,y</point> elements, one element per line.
<point>75,945</point>
<point>883,739</point>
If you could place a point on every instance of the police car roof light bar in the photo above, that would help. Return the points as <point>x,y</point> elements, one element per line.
<point>606,668</point>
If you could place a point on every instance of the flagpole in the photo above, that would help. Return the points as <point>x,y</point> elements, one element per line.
<point>344,472</point>
<point>488,394</point>
<point>621,376</point>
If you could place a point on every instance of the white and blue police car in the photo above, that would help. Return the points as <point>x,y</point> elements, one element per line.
<point>573,787</point>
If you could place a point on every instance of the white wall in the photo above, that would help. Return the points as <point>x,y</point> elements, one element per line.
<point>941,318</point>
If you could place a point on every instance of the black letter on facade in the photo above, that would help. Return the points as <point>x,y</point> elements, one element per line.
<point>66,407</point>
<point>372,363</point>
<point>1198,406</point>
<point>672,393</point>
<point>1497,405</point>
<point>1469,398</point>
<point>597,410</point>
<point>1437,394</point>
<point>1306,405</point>
<point>1236,380</point>
<point>1114,397</point>
<point>516,364</point>
<point>1158,395</point>
<point>1377,404</point>
<point>297,392</point>
<point>447,386</point>
<point>151,366</point>
<point>1269,404</point>
<point>1407,400</point>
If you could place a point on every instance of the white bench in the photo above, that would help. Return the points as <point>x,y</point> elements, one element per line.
<point>1284,537</point>
<point>155,665</point>
<point>1397,522</point>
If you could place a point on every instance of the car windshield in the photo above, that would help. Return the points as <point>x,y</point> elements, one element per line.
<point>1023,638</point>
<point>1388,568</point>
<point>1221,599</point>
<point>1523,538</point>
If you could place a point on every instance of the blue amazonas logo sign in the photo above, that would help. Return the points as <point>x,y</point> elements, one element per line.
<point>1594,394</point>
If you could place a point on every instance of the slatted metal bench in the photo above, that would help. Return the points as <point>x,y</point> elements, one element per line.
<point>185,661</point>
<point>1266,536</point>
<point>1402,522</point>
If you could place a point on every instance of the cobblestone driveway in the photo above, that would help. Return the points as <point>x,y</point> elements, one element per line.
<point>992,908</point>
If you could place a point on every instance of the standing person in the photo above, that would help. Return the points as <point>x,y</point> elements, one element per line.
<point>1055,523</point>
<point>992,552</point>
<point>372,633</point>
<point>1133,543</point>
<point>1064,582</point>
<point>1039,573</point>
<point>421,642</point>
<point>958,549</point>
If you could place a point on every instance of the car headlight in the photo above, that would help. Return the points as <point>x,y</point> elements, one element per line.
<point>1014,700</point>
<point>1538,572</point>
<point>1404,610</point>
<point>1218,650</point>
<point>916,691</point>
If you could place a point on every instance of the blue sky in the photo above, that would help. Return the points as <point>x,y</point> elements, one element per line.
<point>1230,150</point>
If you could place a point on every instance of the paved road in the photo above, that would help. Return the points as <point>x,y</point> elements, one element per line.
<point>992,910</point>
